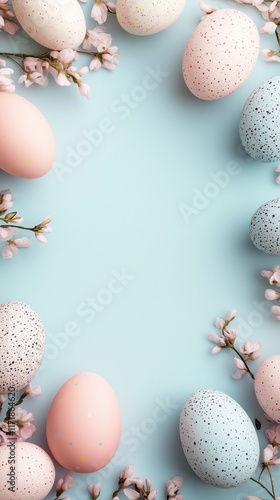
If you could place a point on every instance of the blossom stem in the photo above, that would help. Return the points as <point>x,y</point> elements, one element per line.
<point>242,359</point>
<point>19,227</point>
<point>264,487</point>
<point>20,400</point>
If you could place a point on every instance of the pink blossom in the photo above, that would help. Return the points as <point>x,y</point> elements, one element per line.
<point>271,294</point>
<point>131,494</point>
<point>64,484</point>
<point>173,485</point>
<point>127,472</point>
<point>273,276</point>
<point>6,83</point>
<point>33,391</point>
<point>214,337</point>
<point>111,58</point>
<point>111,6</point>
<point>133,480</point>
<point>95,64</point>
<point>271,55</point>
<point>6,197</point>
<point>7,233</point>
<point>3,438</point>
<point>241,369</point>
<point>65,56</point>
<point>273,435</point>
<point>206,7</point>
<point>97,38</point>
<point>2,399</point>
<point>251,350</point>
<point>260,5</point>
<point>24,421</point>
<point>270,455</point>
<point>94,489</point>
<point>152,495</point>
<point>11,250</point>
<point>276,311</point>
<point>230,334</point>
<point>220,323</point>
<point>269,27</point>
<point>99,12</point>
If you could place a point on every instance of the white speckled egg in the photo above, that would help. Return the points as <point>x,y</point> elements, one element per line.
<point>259,127</point>
<point>220,54</point>
<point>22,342</point>
<point>144,17</point>
<point>265,227</point>
<point>267,387</point>
<point>26,472</point>
<point>55,24</point>
<point>218,438</point>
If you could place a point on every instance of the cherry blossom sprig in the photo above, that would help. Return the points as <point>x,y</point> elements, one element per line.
<point>12,222</point>
<point>60,64</point>
<point>226,340</point>
<point>270,459</point>
<point>132,486</point>
<point>18,423</point>
<point>273,277</point>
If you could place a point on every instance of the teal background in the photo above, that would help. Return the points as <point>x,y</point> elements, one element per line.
<point>119,206</point>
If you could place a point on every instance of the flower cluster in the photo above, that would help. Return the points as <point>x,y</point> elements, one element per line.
<point>18,423</point>
<point>60,65</point>
<point>11,224</point>
<point>247,351</point>
<point>273,277</point>
<point>132,486</point>
<point>6,14</point>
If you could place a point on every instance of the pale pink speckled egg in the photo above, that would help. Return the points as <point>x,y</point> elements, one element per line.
<point>84,423</point>
<point>26,472</point>
<point>220,54</point>
<point>143,17</point>
<point>267,387</point>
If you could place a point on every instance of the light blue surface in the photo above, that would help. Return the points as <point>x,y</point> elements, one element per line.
<point>121,209</point>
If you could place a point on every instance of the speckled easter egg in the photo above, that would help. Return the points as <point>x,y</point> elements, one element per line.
<point>55,24</point>
<point>220,54</point>
<point>265,227</point>
<point>267,387</point>
<point>26,472</point>
<point>218,438</point>
<point>259,127</point>
<point>84,423</point>
<point>27,145</point>
<point>147,18</point>
<point>22,342</point>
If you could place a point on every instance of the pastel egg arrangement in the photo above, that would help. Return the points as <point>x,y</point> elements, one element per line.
<point>56,25</point>
<point>27,145</point>
<point>146,17</point>
<point>27,469</point>
<point>218,439</point>
<point>265,227</point>
<point>267,387</point>
<point>84,423</point>
<point>220,54</point>
<point>22,341</point>
<point>259,127</point>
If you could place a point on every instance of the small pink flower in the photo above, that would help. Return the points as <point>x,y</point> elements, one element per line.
<point>127,472</point>
<point>230,334</point>
<point>97,38</point>
<point>271,55</point>
<point>3,438</point>
<point>64,483</point>
<point>111,6</point>
<point>94,489</point>
<point>33,391</point>
<point>99,12</point>
<point>2,399</point>
<point>241,369</point>
<point>270,455</point>
<point>220,323</point>
<point>251,350</point>
<point>111,58</point>
<point>95,64</point>
<point>24,421</point>
<point>276,311</point>
<point>152,495</point>
<point>11,250</point>
<point>206,7</point>
<point>6,84</point>
<point>273,435</point>
<point>173,485</point>
<point>131,494</point>
<point>7,233</point>
<point>271,294</point>
<point>269,27</point>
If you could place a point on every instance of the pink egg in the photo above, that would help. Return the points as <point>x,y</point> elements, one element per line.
<point>27,146</point>
<point>220,54</point>
<point>84,423</point>
<point>267,387</point>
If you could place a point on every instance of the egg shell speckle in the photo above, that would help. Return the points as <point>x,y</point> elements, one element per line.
<point>220,54</point>
<point>143,17</point>
<point>57,25</point>
<point>84,423</point>
<point>265,227</point>
<point>218,439</point>
<point>33,472</point>
<point>259,127</point>
<point>22,342</point>
<point>267,387</point>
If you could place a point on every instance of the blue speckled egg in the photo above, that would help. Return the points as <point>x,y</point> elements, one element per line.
<point>259,127</point>
<point>218,438</point>
<point>265,227</point>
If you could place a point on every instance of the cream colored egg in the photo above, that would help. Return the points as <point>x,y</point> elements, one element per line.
<point>220,54</point>
<point>144,17</point>
<point>55,24</point>
<point>26,472</point>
